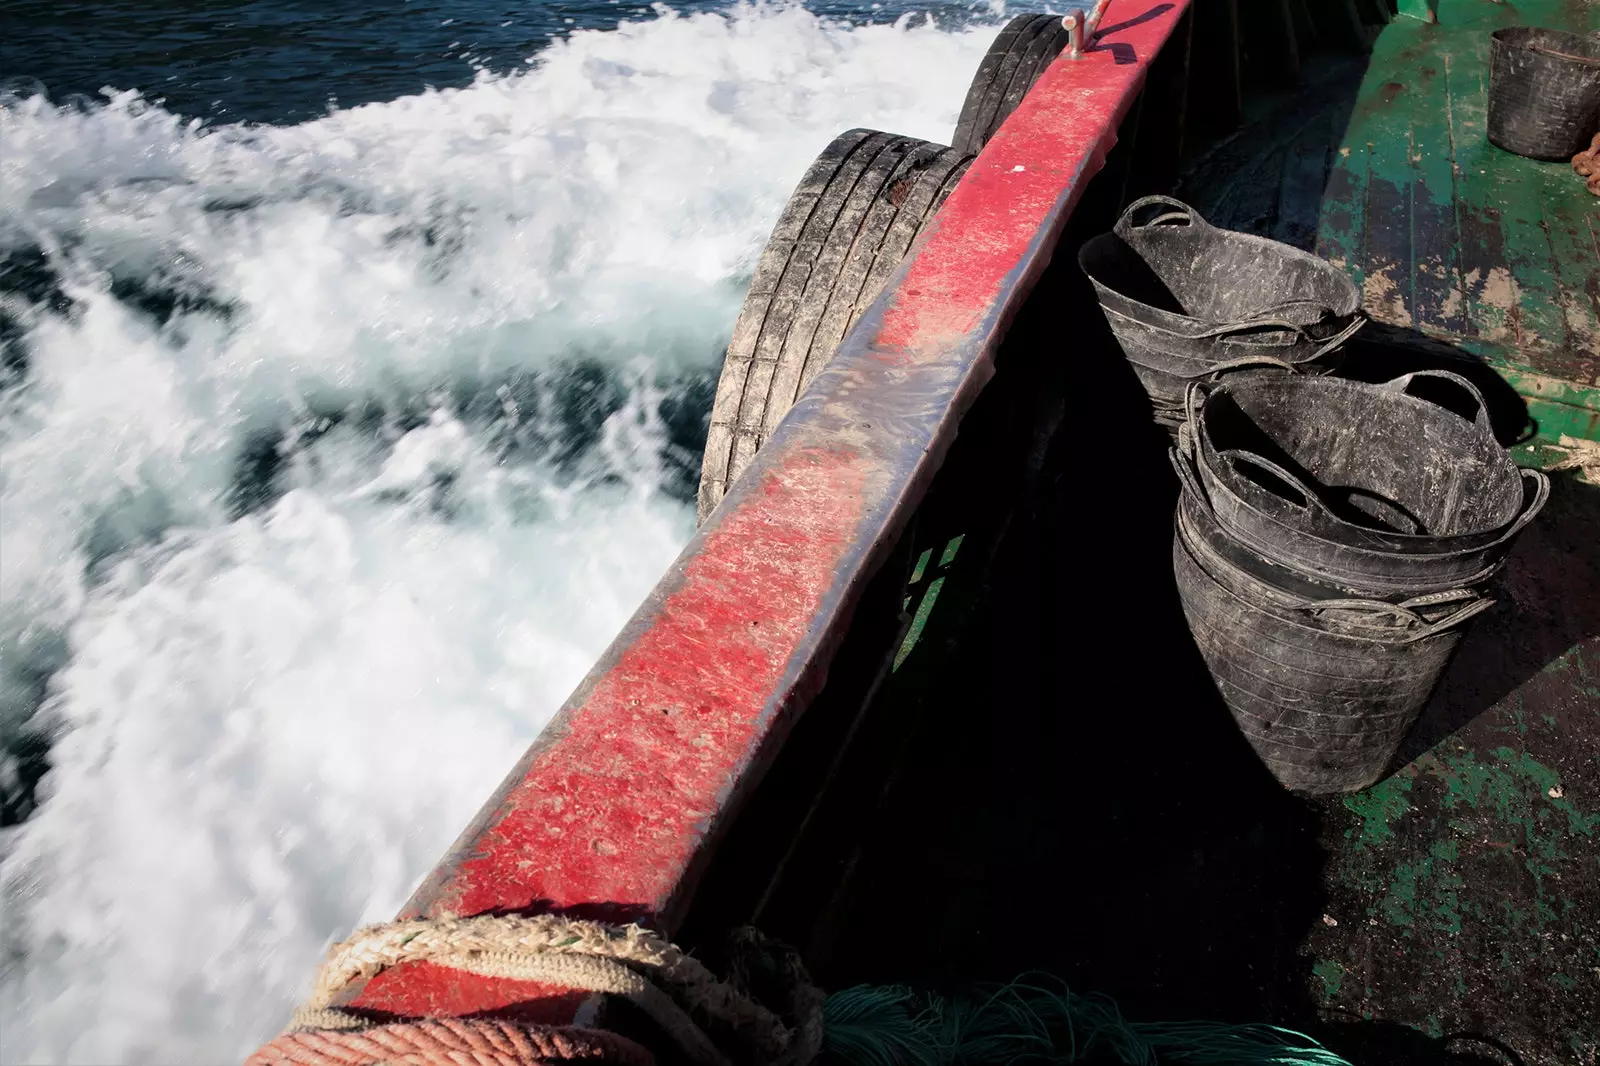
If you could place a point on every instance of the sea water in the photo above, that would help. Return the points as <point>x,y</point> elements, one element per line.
<point>338,438</point>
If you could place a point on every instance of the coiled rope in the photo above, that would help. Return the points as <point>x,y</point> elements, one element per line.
<point>449,1042</point>
<point>732,1022</point>
<point>711,1021</point>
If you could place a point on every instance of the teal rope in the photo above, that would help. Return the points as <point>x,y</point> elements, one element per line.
<point>1043,1022</point>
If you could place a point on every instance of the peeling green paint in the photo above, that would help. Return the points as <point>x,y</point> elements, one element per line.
<point>1426,893</point>
<point>1466,888</point>
<point>1521,791</point>
<point>1332,974</point>
<point>1465,864</point>
<point>1378,806</point>
<point>930,596</point>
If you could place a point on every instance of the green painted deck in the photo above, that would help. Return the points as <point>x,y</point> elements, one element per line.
<point>1455,243</point>
<point>1044,777</point>
<point>1461,895</point>
<point>1466,887</point>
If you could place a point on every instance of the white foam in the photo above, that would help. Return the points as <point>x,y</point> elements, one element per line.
<point>269,726</point>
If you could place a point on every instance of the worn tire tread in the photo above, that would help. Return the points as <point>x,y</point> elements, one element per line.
<point>848,224</point>
<point>1016,59</point>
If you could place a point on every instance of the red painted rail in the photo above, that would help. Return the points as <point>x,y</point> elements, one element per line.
<point>617,807</point>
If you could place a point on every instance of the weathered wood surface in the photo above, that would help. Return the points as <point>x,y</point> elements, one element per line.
<point>1387,171</point>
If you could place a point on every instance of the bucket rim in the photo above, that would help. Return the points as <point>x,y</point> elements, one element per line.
<point>1364,539</point>
<point>1433,547</point>
<point>1282,606</point>
<point>1306,580</point>
<point>1350,295</point>
<point>1342,328</point>
<point>1504,37</point>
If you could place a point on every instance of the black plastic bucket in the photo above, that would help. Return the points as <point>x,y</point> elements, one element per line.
<point>1363,489</point>
<point>1544,91</point>
<point>1324,689</point>
<point>1188,302</point>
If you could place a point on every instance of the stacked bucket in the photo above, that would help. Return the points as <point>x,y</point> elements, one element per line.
<point>1333,538</point>
<point>1186,301</point>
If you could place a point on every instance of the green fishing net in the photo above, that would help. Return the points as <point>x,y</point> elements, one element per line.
<point>1039,1021</point>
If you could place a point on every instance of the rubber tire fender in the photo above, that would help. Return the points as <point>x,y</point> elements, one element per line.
<point>846,227</point>
<point>1016,59</point>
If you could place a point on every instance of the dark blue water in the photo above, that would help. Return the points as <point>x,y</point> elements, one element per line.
<point>288,60</point>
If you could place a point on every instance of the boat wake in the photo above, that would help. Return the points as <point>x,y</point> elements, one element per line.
<point>332,456</point>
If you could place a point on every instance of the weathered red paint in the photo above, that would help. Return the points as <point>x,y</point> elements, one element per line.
<point>610,811</point>
<point>425,990</point>
<point>1046,150</point>
<point>618,805</point>
<point>643,765</point>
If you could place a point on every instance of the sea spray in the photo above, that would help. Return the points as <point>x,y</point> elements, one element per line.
<point>332,455</point>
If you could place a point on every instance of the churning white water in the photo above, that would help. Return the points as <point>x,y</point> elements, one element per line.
<point>332,455</point>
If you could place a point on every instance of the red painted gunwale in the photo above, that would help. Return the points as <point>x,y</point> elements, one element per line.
<point>617,807</point>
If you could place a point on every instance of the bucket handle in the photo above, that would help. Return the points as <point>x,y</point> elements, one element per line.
<point>1343,335</point>
<point>1244,362</point>
<point>1541,493</point>
<point>1251,324</point>
<point>1262,324</point>
<point>1313,502</point>
<point>1178,213</point>
<point>1405,611</point>
<point>1402,384</point>
<point>1182,457</point>
<point>1194,398</point>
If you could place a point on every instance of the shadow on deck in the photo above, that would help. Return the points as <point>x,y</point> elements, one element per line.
<point>1046,779</point>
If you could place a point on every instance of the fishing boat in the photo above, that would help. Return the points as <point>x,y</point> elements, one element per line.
<point>918,698</point>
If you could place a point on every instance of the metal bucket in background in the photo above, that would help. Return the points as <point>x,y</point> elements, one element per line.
<point>1544,91</point>
<point>1189,302</point>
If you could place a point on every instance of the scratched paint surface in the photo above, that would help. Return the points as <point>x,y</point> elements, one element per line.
<point>1464,240</point>
<point>1451,240</point>
<point>616,807</point>
<point>1465,890</point>
<point>676,716</point>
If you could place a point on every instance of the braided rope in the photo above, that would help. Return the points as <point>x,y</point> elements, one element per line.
<point>675,990</point>
<point>1587,164</point>
<point>450,1042</point>
<point>1582,455</point>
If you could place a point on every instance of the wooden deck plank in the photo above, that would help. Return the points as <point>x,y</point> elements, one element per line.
<point>1512,287</point>
<point>1305,171</point>
<point>1529,288</point>
<point>1435,233</point>
<point>1447,236</point>
<point>1251,202</point>
<point>1342,216</point>
<point>1485,279</point>
<point>1388,288</point>
<point>1570,224</point>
